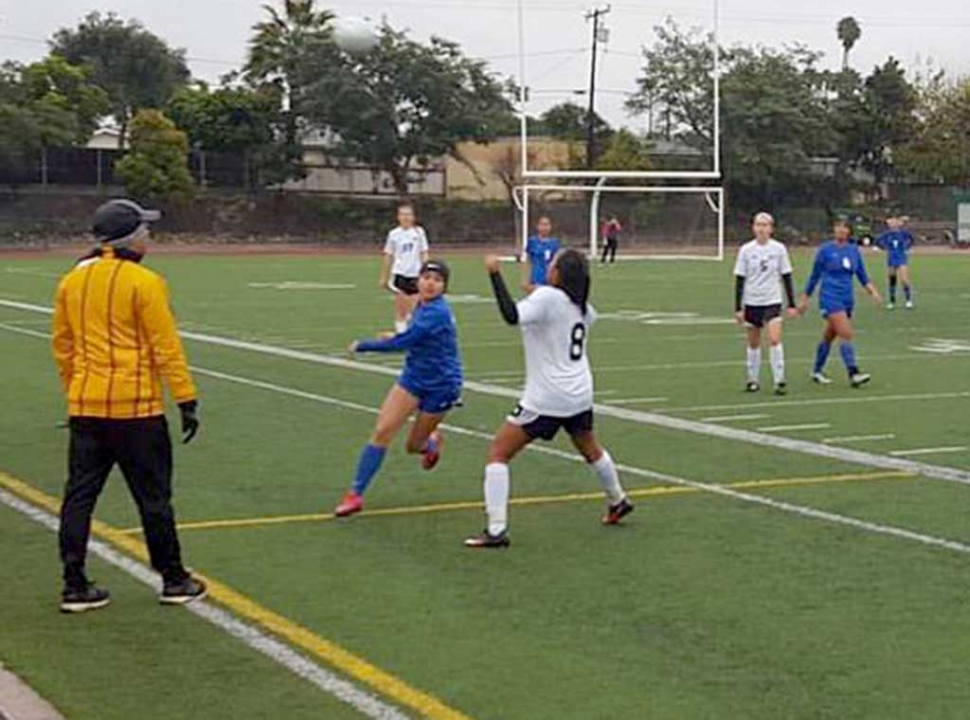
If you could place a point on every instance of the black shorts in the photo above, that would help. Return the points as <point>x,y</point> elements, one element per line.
<point>758,316</point>
<point>405,285</point>
<point>546,427</point>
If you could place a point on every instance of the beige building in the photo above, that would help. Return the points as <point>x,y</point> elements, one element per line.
<point>487,172</point>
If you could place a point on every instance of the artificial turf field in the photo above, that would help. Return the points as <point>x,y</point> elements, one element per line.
<point>701,606</point>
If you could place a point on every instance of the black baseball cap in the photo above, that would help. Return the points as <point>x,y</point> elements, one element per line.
<point>438,266</point>
<point>119,218</point>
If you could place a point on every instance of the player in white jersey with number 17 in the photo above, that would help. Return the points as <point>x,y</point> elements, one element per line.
<point>555,321</point>
<point>763,267</point>
<point>405,252</point>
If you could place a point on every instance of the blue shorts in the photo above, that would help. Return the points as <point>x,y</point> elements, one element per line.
<point>834,306</point>
<point>435,401</point>
<point>897,262</point>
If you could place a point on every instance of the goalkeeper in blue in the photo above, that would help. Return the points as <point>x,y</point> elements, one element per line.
<point>429,386</point>
<point>896,243</point>
<point>838,263</point>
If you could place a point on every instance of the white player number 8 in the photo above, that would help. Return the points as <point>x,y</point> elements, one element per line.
<point>578,338</point>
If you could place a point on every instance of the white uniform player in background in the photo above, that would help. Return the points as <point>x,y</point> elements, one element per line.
<point>762,270</point>
<point>555,321</point>
<point>405,252</point>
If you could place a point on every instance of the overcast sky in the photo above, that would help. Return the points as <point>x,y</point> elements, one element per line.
<point>214,32</point>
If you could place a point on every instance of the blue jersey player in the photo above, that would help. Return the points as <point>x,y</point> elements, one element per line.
<point>429,385</point>
<point>838,263</point>
<point>539,253</point>
<point>896,243</point>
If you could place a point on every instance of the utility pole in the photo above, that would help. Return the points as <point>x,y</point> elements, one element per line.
<point>598,36</point>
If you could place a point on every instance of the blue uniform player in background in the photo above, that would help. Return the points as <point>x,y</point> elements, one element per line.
<point>896,243</point>
<point>539,252</point>
<point>429,385</point>
<point>838,263</point>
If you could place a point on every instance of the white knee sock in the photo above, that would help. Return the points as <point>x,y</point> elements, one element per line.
<point>778,363</point>
<point>754,364</point>
<point>400,326</point>
<point>605,470</point>
<point>497,496</point>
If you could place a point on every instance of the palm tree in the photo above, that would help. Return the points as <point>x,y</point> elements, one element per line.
<point>849,33</point>
<point>278,40</point>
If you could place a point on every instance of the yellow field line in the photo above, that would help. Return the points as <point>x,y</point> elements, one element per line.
<point>329,652</point>
<point>661,491</point>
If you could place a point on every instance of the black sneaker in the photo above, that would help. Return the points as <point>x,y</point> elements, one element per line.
<point>781,389</point>
<point>752,387</point>
<point>617,512</point>
<point>183,591</point>
<point>82,599</point>
<point>487,540</point>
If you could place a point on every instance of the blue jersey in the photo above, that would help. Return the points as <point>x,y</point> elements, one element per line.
<point>540,252</point>
<point>896,244</point>
<point>836,266</point>
<point>433,363</point>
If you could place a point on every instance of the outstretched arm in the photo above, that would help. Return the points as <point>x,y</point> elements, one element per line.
<point>506,304</point>
<point>401,342</point>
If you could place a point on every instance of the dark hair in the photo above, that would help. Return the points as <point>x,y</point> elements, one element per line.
<point>844,222</point>
<point>574,277</point>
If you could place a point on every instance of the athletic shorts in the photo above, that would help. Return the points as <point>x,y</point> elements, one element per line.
<point>433,402</point>
<point>830,308</point>
<point>897,262</point>
<point>757,316</point>
<point>404,285</point>
<point>546,427</point>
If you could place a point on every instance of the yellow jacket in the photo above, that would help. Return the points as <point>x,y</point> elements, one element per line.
<point>115,339</point>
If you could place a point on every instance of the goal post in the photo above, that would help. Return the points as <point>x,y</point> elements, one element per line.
<point>659,222</point>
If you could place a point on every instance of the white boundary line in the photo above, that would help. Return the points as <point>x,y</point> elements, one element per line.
<point>938,472</point>
<point>859,438</point>
<point>802,510</point>
<point>734,418</point>
<point>278,652</point>
<point>790,428</point>
<point>928,451</point>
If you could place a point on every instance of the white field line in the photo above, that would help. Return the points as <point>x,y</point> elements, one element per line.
<point>791,428</point>
<point>668,422</point>
<point>859,438</point>
<point>928,451</point>
<point>333,685</point>
<point>734,418</point>
<point>31,271</point>
<point>802,510</point>
<point>825,401</point>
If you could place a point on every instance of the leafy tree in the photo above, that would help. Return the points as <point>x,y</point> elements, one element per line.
<point>136,68</point>
<point>677,84</point>
<point>400,105</point>
<point>889,104</point>
<point>849,33</point>
<point>157,166</point>
<point>940,149</point>
<point>56,82</point>
<point>625,151</point>
<point>567,121</point>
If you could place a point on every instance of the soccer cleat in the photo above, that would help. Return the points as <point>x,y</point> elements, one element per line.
<point>910,305</point>
<point>350,505</point>
<point>84,598</point>
<point>859,379</point>
<point>183,592</point>
<point>821,379</point>
<point>486,540</point>
<point>890,306</point>
<point>752,387</point>
<point>781,389</point>
<point>433,453</point>
<point>617,512</point>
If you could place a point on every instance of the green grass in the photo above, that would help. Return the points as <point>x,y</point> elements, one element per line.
<point>701,607</point>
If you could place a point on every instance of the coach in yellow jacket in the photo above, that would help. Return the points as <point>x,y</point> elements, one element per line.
<point>115,343</point>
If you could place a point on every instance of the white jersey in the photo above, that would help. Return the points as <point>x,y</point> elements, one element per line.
<point>406,245</point>
<point>762,267</point>
<point>558,380</point>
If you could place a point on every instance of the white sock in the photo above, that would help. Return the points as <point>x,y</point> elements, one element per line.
<point>605,470</point>
<point>754,364</point>
<point>400,326</point>
<point>497,496</point>
<point>778,363</point>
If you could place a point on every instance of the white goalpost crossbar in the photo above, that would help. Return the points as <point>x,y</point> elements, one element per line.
<point>713,196</point>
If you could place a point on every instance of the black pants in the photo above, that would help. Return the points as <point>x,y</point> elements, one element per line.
<point>143,450</point>
<point>609,250</point>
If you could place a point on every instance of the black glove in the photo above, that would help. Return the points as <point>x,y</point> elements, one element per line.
<point>190,420</point>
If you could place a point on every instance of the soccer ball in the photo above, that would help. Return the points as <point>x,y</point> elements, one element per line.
<point>355,36</point>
